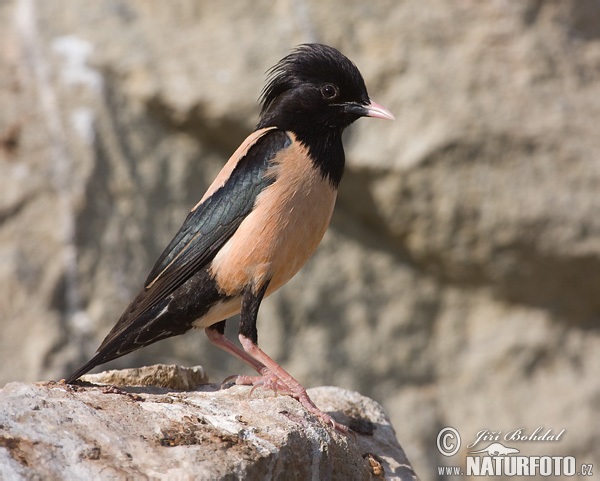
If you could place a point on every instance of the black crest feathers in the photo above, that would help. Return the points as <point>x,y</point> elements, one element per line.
<point>311,64</point>
<point>309,93</point>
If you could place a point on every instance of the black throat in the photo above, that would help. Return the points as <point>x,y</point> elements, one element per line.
<point>324,143</point>
<point>326,152</point>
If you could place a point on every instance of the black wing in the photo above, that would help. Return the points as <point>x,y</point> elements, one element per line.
<point>206,229</point>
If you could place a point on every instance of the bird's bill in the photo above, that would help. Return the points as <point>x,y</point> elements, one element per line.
<point>372,109</point>
<point>378,111</point>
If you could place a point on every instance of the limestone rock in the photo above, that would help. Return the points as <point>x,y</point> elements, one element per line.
<point>57,431</point>
<point>159,375</point>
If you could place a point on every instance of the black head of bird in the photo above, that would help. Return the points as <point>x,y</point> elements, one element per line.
<point>316,89</point>
<point>316,92</point>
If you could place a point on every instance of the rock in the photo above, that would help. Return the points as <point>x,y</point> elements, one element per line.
<point>53,430</point>
<point>458,284</point>
<point>171,377</point>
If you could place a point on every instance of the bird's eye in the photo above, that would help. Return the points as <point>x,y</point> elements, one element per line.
<point>329,91</point>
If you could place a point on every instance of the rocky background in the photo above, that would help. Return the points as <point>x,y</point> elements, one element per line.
<point>459,284</point>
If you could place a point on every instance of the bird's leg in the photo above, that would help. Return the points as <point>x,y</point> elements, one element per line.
<point>216,335</point>
<point>249,338</point>
<point>294,388</point>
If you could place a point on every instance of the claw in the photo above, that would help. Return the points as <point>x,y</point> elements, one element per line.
<point>255,385</point>
<point>335,425</point>
<point>227,380</point>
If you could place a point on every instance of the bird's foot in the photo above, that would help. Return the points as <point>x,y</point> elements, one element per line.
<point>299,393</point>
<point>267,380</point>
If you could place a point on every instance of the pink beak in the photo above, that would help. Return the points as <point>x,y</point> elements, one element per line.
<point>379,112</point>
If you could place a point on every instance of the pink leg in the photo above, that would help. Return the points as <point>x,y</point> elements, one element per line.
<point>294,388</point>
<point>266,378</point>
<point>221,341</point>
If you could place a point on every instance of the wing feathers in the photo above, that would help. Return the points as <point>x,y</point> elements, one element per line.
<point>207,227</point>
<point>206,224</point>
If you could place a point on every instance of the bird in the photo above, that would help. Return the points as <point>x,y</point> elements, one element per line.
<point>258,223</point>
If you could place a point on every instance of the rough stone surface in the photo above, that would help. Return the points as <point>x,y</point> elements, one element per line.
<point>459,282</point>
<point>55,431</point>
<point>169,377</point>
